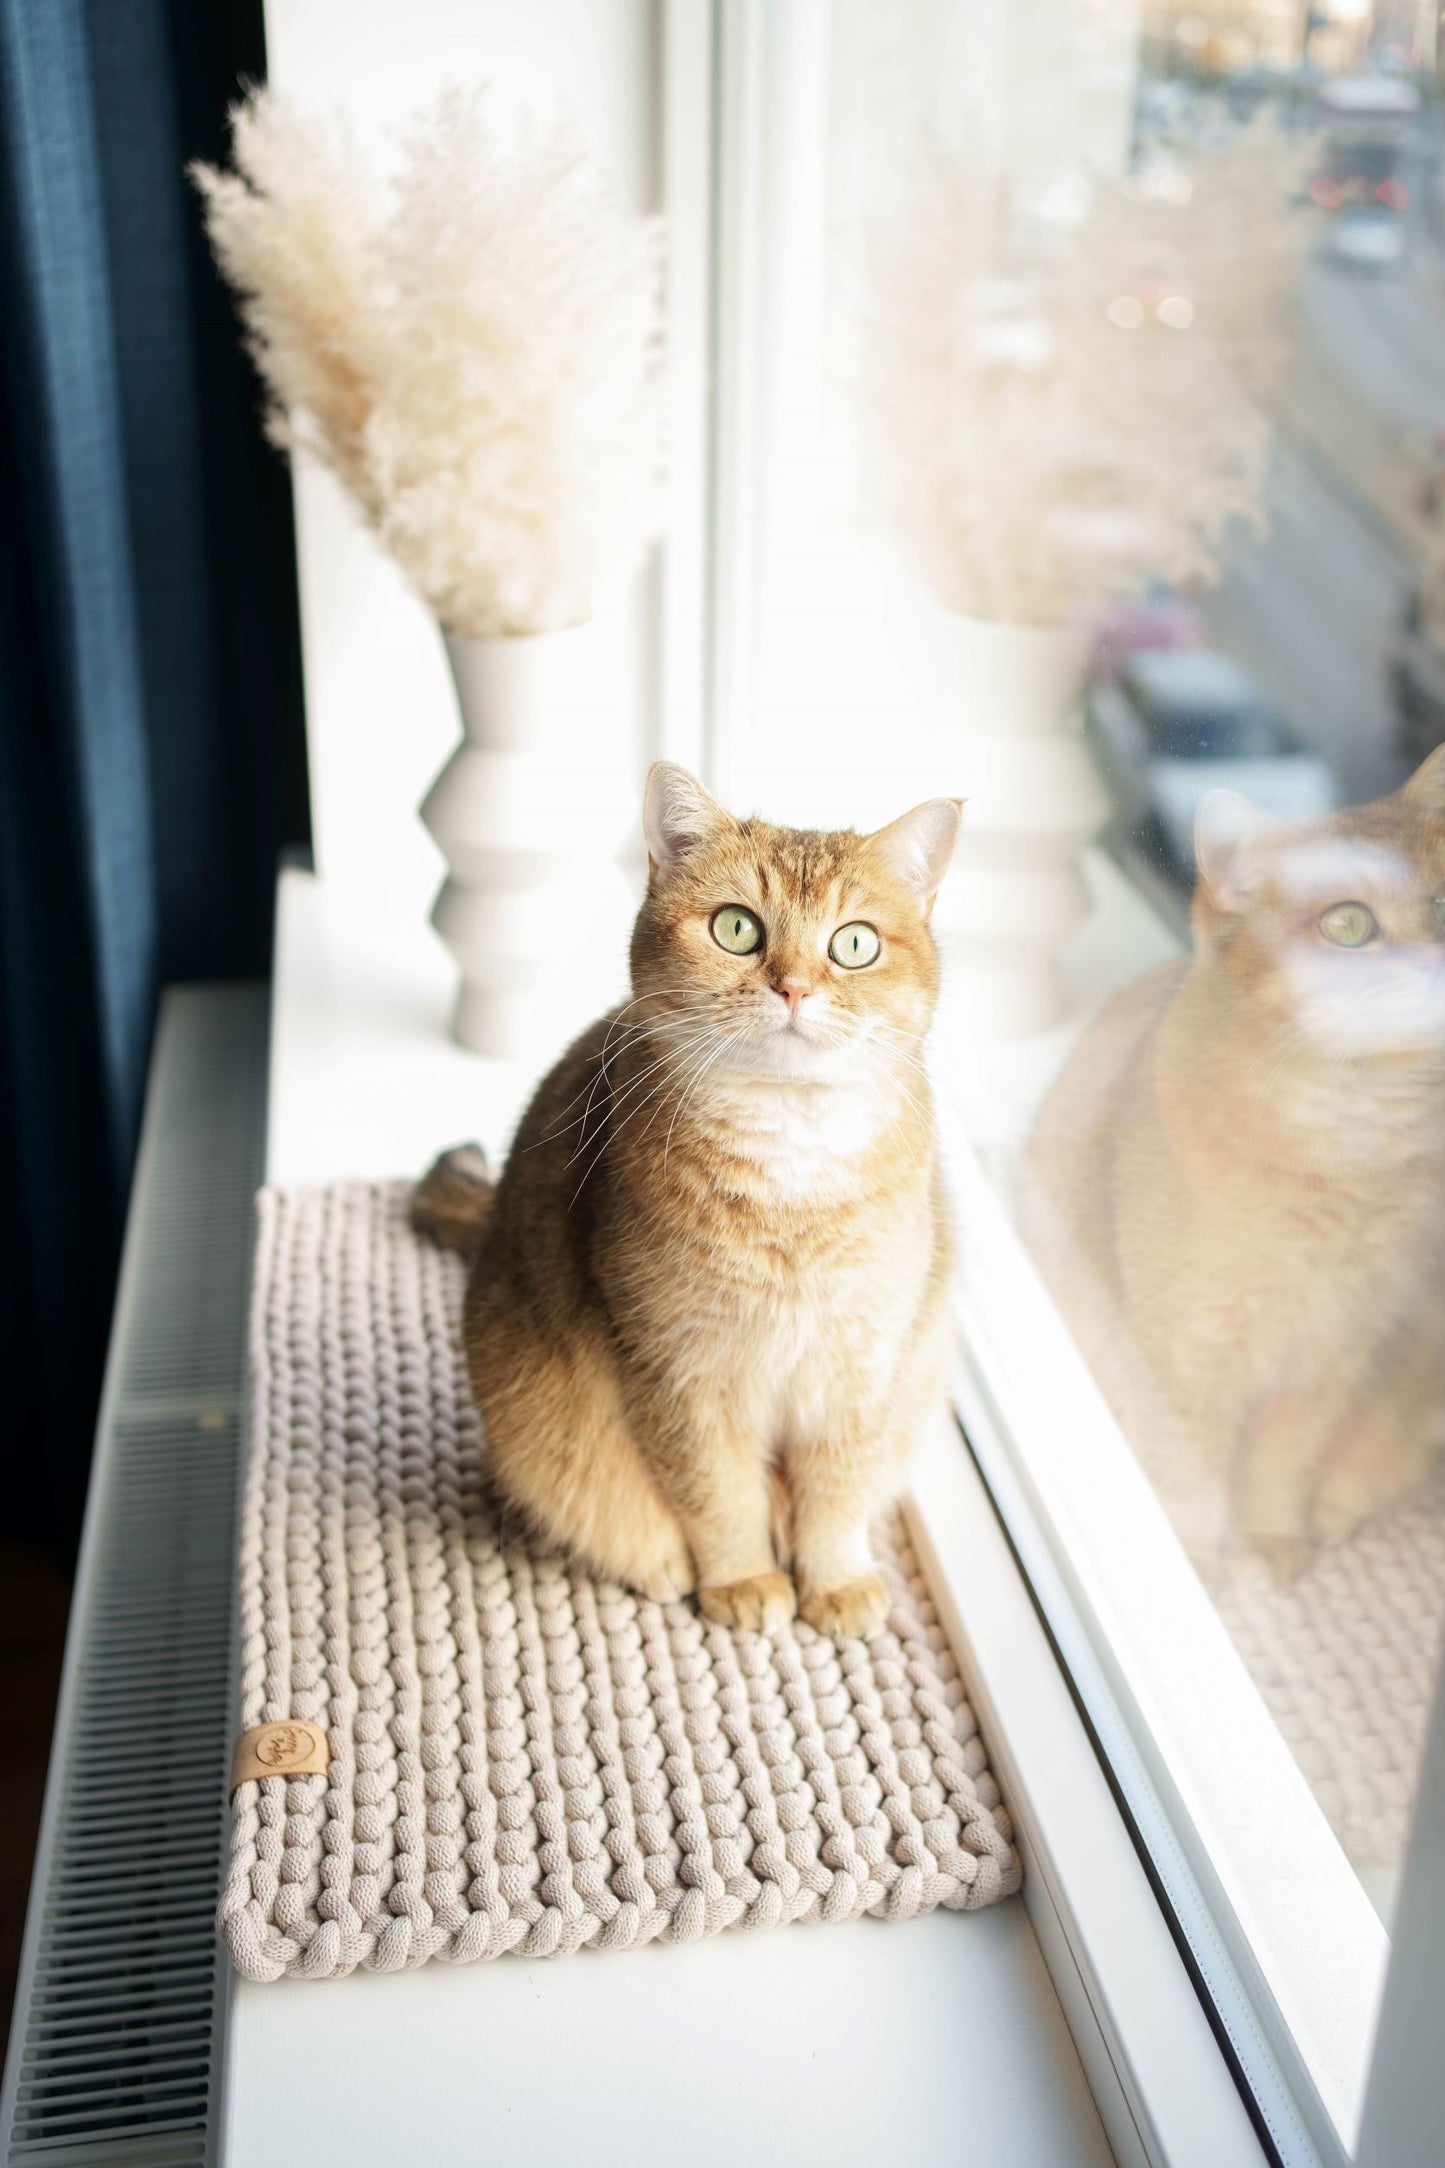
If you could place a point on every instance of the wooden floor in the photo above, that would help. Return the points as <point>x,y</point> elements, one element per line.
<point>34,1601</point>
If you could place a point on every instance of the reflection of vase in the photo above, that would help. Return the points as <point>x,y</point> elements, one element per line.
<point>529,811</point>
<point>1033,799</point>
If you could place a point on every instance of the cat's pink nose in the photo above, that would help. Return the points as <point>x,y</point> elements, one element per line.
<point>794,993</point>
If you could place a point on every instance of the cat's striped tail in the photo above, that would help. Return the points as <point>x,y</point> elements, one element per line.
<point>451,1201</point>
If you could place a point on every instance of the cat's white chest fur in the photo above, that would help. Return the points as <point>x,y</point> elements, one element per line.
<point>803,1138</point>
<point>829,1335</point>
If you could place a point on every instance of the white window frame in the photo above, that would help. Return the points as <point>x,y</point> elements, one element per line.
<point>1280,1935</point>
<point>1281,1930</point>
<point>1166,2094</point>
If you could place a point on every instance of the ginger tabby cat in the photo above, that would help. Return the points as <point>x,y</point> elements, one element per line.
<point>706,1310</point>
<point>1237,1186</point>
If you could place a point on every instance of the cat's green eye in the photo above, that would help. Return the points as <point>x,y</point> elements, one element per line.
<point>1349,925</point>
<point>1437,905</point>
<point>736,930</point>
<point>855,945</point>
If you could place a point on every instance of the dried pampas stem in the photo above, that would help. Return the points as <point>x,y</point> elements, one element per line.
<point>473,350</point>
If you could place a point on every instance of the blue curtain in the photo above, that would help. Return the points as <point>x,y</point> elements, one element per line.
<point>151,748</point>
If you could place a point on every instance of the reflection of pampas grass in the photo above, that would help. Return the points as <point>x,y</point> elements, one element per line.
<point>473,352</point>
<point>1052,421</point>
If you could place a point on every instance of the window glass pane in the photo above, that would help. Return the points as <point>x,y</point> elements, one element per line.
<point>1103,458</point>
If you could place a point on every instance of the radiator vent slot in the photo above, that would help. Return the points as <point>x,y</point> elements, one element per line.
<point>114,2047</point>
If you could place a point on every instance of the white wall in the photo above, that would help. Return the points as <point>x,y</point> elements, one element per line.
<point>381,715</point>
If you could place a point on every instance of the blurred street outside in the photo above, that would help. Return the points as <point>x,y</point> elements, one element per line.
<point>1312,609</point>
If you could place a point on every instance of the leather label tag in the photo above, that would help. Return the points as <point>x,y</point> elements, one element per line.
<point>295,1748</point>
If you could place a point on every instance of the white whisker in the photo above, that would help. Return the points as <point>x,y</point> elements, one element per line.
<point>697,1079</point>
<point>612,1130</point>
<point>699,1035</point>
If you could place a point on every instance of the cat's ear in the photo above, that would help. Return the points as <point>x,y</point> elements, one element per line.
<point>1226,826</point>
<point>677,813</point>
<point>1426,787</point>
<point>918,846</point>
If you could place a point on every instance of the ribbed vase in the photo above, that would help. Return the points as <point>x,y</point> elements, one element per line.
<point>529,812</point>
<point>1033,799</point>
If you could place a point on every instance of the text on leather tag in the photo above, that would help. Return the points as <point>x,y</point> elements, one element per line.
<point>295,1748</point>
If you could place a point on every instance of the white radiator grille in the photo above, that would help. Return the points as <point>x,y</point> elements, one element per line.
<point>113,2052</point>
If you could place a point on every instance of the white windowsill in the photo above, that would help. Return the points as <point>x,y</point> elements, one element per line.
<point>949,2037</point>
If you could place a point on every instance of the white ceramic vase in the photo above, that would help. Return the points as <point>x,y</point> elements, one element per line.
<point>1034,798</point>
<point>529,812</point>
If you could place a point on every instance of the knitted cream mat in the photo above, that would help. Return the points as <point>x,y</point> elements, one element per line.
<point>1345,1658</point>
<point>521,1758</point>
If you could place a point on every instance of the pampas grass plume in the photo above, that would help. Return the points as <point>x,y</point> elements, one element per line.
<point>1054,414</point>
<point>473,349</point>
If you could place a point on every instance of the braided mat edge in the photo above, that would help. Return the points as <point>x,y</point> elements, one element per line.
<point>523,1759</point>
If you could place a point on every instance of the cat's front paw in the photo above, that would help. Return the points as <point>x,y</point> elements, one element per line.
<point>763,1600</point>
<point>853,1611</point>
<point>1383,1458</point>
<point>1284,1557</point>
<point>667,1582</point>
<point>664,1572</point>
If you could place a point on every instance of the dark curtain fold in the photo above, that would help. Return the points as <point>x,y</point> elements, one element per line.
<point>151,748</point>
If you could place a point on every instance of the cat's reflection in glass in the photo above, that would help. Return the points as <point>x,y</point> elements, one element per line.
<point>1236,1188</point>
